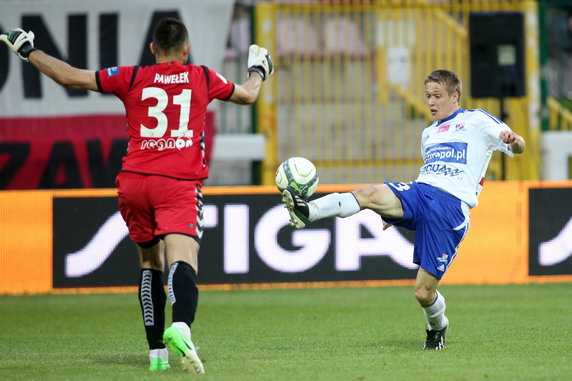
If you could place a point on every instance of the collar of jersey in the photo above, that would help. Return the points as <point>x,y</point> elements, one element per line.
<point>169,63</point>
<point>460,110</point>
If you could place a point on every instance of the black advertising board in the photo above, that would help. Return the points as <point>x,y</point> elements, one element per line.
<point>247,239</point>
<point>550,231</point>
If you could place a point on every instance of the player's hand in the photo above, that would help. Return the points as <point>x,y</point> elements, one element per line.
<point>516,142</point>
<point>260,61</point>
<point>21,42</point>
<point>508,137</point>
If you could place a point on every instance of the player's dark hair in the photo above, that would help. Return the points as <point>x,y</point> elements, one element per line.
<point>170,36</point>
<point>446,78</point>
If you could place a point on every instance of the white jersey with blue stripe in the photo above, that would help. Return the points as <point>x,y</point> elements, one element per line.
<point>457,150</point>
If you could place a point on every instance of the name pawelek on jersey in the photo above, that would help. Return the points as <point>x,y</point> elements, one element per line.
<point>173,78</point>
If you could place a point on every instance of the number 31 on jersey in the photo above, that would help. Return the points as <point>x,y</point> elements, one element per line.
<point>183,100</point>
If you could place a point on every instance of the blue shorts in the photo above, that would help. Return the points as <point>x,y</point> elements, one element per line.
<point>439,219</point>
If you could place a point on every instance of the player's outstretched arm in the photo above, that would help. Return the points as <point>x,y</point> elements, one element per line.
<point>260,67</point>
<point>62,72</point>
<point>22,44</point>
<point>247,92</point>
<point>517,143</point>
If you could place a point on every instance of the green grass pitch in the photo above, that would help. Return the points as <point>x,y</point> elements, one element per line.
<point>515,332</point>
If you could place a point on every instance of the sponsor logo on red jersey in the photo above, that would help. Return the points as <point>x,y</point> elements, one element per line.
<point>112,71</point>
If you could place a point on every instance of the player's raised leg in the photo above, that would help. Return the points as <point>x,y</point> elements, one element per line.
<point>332,205</point>
<point>378,198</point>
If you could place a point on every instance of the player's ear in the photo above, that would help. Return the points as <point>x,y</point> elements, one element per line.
<point>185,52</point>
<point>152,48</point>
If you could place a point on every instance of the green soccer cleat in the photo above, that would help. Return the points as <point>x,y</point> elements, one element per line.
<point>185,348</point>
<point>159,364</point>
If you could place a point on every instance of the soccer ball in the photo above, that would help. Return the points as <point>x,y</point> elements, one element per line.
<point>299,175</point>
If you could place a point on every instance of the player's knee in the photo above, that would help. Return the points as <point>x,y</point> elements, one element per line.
<point>151,255</point>
<point>366,195</point>
<point>424,296</point>
<point>154,263</point>
<point>380,199</point>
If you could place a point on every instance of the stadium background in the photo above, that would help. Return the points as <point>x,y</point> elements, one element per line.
<point>348,94</point>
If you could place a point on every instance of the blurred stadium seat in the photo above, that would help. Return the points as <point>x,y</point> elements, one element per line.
<point>342,36</point>
<point>298,37</point>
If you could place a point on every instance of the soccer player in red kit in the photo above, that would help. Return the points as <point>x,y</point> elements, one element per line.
<point>159,186</point>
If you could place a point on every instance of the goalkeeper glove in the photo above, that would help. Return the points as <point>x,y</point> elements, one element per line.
<point>260,61</point>
<point>21,43</point>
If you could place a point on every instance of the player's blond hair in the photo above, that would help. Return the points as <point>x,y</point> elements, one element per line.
<point>448,79</point>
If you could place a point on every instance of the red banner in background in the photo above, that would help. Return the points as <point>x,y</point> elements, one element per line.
<point>56,137</point>
<point>67,152</point>
<point>63,152</point>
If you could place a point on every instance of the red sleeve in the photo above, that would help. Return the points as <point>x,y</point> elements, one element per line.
<point>116,79</point>
<point>219,86</point>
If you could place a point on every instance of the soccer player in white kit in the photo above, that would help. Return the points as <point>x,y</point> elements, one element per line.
<point>456,150</point>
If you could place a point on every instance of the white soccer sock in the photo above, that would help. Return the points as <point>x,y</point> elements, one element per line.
<point>160,353</point>
<point>183,327</point>
<point>435,313</point>
<point>334,205</point>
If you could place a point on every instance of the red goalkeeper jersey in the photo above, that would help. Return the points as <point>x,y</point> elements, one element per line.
<point>166,107</point>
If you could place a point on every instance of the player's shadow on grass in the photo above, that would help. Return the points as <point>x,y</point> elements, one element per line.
<point>392,344</point>
<point>130,360</point>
